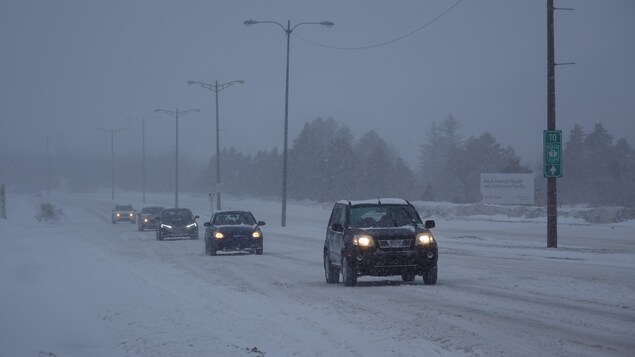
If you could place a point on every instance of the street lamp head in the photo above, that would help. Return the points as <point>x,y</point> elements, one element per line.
<point>327,23</point>
<point>190,82</point>
<point>241,82</point>
<point>250,22</point>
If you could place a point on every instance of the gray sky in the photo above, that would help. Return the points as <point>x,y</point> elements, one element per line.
<point>68,67</point>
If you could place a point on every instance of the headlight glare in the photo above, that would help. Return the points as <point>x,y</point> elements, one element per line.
<point>255,234</point>
<point>363,241</point>
<point>218,235</point>
<point>191,225</point>
<point>424,238</point>
<point>166,226</point>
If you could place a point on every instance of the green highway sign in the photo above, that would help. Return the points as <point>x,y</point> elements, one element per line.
<point>552,140</point>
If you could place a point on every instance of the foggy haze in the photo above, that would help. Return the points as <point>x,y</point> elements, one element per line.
<point>69,67</point>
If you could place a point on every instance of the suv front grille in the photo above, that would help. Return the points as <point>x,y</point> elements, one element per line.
<point>394,243</point>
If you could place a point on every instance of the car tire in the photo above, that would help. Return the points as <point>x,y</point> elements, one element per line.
<point>331,274</point>
<point>410,277</point>
<point>430,275</point>
<point>259,250</point>
<point>212,250</point>
<point>349,275</point>
<point>194,237</point>
<point>159,237</point>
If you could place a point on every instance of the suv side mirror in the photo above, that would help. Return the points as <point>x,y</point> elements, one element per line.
<point>337,227</point>
<point>261,223</point>
<point>430,224</point>
<point>196,217</point>
<point>207,224</point>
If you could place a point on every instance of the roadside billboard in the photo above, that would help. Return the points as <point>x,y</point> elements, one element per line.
<point>507,189</point>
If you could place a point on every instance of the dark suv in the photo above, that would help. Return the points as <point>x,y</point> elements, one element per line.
<point>379,237</point>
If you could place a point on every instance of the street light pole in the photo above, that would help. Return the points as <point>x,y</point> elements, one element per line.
<point>288,30</point>
<point>48,165</point>
<point>143,156</point>
<point>143,159</point>
<point>175,114</point>
<point>217,88</point>
<point>112,157</point>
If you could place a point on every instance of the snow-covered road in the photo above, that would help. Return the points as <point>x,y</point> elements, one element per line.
<point>85,287</point>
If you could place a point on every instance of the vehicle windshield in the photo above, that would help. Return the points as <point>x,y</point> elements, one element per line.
<point>176,214</point>
<point>123,208</point>
<point>234,218</point>
<point>382,216</point>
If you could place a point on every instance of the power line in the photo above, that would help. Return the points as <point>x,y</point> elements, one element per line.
<point>385,42</point>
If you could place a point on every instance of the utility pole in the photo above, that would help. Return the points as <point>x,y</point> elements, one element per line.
<point>552,196</point>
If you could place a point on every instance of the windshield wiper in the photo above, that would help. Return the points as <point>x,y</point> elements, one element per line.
<point>412,220</point>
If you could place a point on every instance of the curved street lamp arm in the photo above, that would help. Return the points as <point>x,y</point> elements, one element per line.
<point>188,111</point>
<point>168,112</point>
<point>204,85</point>
<point>288,30</point>
<point>229,84</point>
<point>323,23</point>
<point>252,22</point>
<point>213,87</point>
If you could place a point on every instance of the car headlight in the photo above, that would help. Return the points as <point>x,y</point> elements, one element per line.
<point>131,214</point>
<point>118,214</point>
<point>191,225</point>
<point>218,235</point>
<point>145,220</point>
<point>424,238</point>
<point>256,234</point>
<point>363,241</point>
<point>166,226</point>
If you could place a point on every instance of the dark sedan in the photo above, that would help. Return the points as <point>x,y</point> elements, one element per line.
<point>147,218</point>
<point>233,231</point>
<point>177,222</point>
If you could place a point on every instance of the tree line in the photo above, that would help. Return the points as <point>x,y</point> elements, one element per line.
<point>327,162</point>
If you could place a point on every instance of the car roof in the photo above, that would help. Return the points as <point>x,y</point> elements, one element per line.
<point>177,209</point>
<point>231,212</point>
<point>375,201</point>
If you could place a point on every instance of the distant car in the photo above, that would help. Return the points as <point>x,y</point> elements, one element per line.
<point>233,231</point>
<point>379,237</point>
<point>177,222</point>
<point>147,217</point>
<point>124,213</point>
